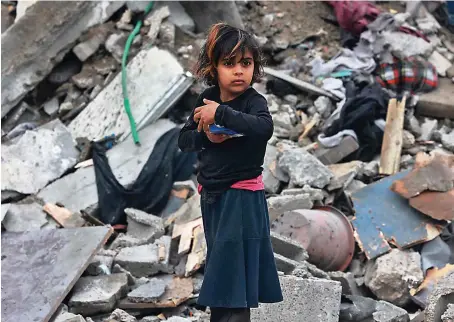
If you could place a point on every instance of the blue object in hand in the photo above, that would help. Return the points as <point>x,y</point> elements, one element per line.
<point>217,129</point>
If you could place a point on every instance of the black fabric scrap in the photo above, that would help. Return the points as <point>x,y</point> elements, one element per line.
<point>150,192</point>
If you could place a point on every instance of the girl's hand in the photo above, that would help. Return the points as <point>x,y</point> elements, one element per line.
<point>204,115</point>
<point>216,138</point>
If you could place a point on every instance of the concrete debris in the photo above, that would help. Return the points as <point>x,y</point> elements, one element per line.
<point>97,294</point>
<point>314,194</point>
<point>29,61</point>
<point>144,260</point>
<point>144,226</point>
<point>440,62</point>
<point>323,106</point>
<point>177,319</point>
<point>123,241</point>
<point>121,316</point>
<point>95,38</point>
<point>178,15</point>
<point>408,139</point>
<point>100,265</point>
<point>149,292</point>
<point>279,204</point>
<point>348,282</point>
<point>437,103</point>
<point>304,300</point>
<point>51,106</point>
<point>150,319</point>
<point>115,44</point>
<point>303,168</point>
<point>69,317</point>
<point>358,308</point>
<point>391,276</point>
<point>448,316</point>
<point>440,297</point>
<point>24,217</point>
<point>289,248</point>
<point>37,158</point>
<point>154,20</point>
<point>344,174</point>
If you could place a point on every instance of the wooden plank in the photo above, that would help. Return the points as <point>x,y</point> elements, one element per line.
<point>64,217</point>
<point>313,122</point>
<point>180,229</point>
<point>383,217</point>
<point>39,268</point>
<point>198,253</point>
<point>178,291</point>
<point>392,138</point>
<point>302,85</point>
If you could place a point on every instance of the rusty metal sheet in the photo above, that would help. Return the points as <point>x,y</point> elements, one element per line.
<point>438,205</point>
<point>39,268</point>
<point>383,217</point>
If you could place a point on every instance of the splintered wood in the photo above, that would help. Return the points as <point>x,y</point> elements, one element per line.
<point>392,138</point>
<point>64,217</point>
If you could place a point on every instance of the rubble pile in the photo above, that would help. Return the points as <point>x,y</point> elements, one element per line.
<point>359,173</point>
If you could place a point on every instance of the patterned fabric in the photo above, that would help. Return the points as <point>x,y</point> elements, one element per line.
<point>413,75</point>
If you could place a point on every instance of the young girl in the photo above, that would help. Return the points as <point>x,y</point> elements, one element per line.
<point>240,270</point>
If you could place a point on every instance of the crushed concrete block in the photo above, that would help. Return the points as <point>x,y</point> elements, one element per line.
<point>51,106</point>
<point>348,282</point>
<point>439,298</point>
<point>121,316</point>
<point>272,184</point>
<point>354,186</point>
<point>99,265</point>
<point>391,276</point>
<point>284,264</point>
<point>428,128</point>
<point>314,194</point>
<point>277,205</point>
<point>150,319</point>
<point>27,62</point>
<point>303,168</point>
<point>304,300</point>
<point>343,173</point>
<point>308,270</point>
<point>149,292</point>
<point>448,316</point>
<point>123,241</point>
<point>69,317</point>
<point>37,158</point>
<point>144,260</point>
<point>115,45</point>
<point>287,247</point>
<point>24,217</point>
<point>105,114</point>
<point>386,312</point>
<point>131,279</point>
<point>371,169</point>
<point>408,139</point>
<point>97,294</point>
<point>359,308</point>
<point>94,39</point>
<point>440,63</point>
<point>144,226</point>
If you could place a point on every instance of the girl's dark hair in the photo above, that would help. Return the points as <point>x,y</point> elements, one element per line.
<point>223,41</point>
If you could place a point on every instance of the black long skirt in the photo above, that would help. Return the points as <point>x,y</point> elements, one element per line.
<point>240,270</point>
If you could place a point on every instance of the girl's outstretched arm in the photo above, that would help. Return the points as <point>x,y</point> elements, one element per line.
<point>258,122</point>
<point>190,140</point>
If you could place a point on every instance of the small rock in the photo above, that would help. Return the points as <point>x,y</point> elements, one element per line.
<point>408,139</point>
<point>391,276</point>
<point>448,141</point>
<point>96,90</point>
<point>440,63</point>
<point>167,33</point>
<point>448,316</point>
<point>99,264</point>
<point>354,186</point>
<point>303,168</point>
<point>51,106</point>
<point>343,173</point>
<point>315,194</point>
<point>371,169</point>
<point>123,241</point>
<point>427,128</point>
<point>406,161</point>
<point>267,20</point>
<point>149,292</point>
<point>280,43</point>
<point>279,204</point>
<point>348,282</point>
<point>104,65</point>
<point>308,270</point>
<point>65,107</point>
<point>412,125</point>
<point>323,106</point>
<point>115,44</point>
<point>150,319</point>
<point>262,41</point>
<point>121,316</point>
<point>282,119</point>
<point>386,312</point>
<point>177,319</point>
<point>24,217</point>
<point>272,184</point>
<point>131,279</point>
<point>144,226</point>
<point>197,281</point>
<point>292,99</point>
<point>86,49</point>
<point>87,78</point>
<point>273,105</point>
<point>69,317</point>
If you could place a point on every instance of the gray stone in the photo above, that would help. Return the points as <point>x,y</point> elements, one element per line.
<point>178,15</point>
<point>448,141</point>
<point>104,65</point>
<point>323,106</point>
<point>348,282</point>
<point>408,139</point>
<point>391,276</point>
<point>359,308</point>
<point>121,316</point>
<point>354,186</point>
<point>69,317</point>
<point>308,270</point>
<point>197,281</point>
<point>51,106</point>
<point>78,190</point>
<point>97,294</point>
<point>167,34</point>
<point>132,281</point>
<point>303,168</point>
<point>272,184</point>
<point>403,45</point>
<point>439,298</point>
<point>149,292</point>
<point>279,204</point>
<point>87,78</point>
<point>97,36</point>
<point>344,174</point>
<point>283,120</point>
<point>406,161</point>
<point>65,107</point>
<point>144,226</point>
<point>123,241</point>
<point>314,194</point>
<point>412,125</point>
<point>115,45</point>
<point>304,300</point>
<point>99,264</point>
<point>427,128</point>
<point>177,319</point>
<point>370,170</point>
<point>440,62</point>
<point>150,319</point>
<point>105,114</point>
<point>144,260</point>
<point>284,264</point>
<point>27,62</point>
<point>448,316</point>
<point>37,158</point>
<point>287,247</point>
<point>292,99</point>
<point>154,20</point>
<point>24,217</point>
<point>386,312</point>
<point>4,210</point>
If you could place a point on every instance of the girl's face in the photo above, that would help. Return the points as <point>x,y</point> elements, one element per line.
<point>235,73</point>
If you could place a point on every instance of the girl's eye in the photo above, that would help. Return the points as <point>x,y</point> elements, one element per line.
<point>246,62</point>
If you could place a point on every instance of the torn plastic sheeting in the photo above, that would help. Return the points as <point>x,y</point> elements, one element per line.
<point>383,217</point>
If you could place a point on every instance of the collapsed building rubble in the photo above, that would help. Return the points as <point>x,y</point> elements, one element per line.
<point>359,173</point>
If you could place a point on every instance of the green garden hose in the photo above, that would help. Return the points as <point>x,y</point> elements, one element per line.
<point>124,60</point>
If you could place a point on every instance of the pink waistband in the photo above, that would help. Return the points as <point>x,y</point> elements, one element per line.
<point>255,184</point>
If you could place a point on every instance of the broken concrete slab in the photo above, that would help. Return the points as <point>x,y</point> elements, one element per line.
<point>149,292</point>
<point>441,296</point>
<point>277,205</point>
<point>303,168</point>
<point>288,247</point>
<point>437,103</point>
<point>144,226</point>
<point>284,264</point>
<point>29,61</point>
<point>314,194</point>
<point>24,217</point>
<point>440,62</point>
<point>348,282</point>
<point>78,190</point>
<point>304,300</point>
<point>99,265</point>
<point>37,158</point>
<point>94,38</point>
<point>123,241</point>
<point>344,173</point>
<point>391,276</point>
<point>145,260</point>
<point>44,265</point>
<point>105,114</point>
<point>97,294</point>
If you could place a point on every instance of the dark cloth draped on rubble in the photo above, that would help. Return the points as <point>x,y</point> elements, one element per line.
<point>150,192</point>
<point>359,113</point>
<point>240,269</point>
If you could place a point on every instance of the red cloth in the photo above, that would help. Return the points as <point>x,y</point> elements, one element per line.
<point>354,16</point>
<point>255,184</point>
